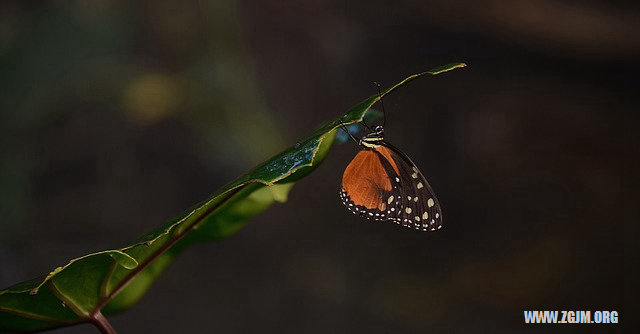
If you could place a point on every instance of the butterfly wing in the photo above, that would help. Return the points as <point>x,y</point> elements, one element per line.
<point>384,184</point>
<point>418,207</point>
<point>364,185</point>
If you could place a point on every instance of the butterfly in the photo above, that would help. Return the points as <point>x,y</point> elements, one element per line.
<point>382,183</point>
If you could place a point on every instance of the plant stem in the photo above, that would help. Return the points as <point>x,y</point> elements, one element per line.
<point>142,266</point>
<point>102,323</point>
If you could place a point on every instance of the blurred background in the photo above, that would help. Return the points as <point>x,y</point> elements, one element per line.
<point>116,116</point>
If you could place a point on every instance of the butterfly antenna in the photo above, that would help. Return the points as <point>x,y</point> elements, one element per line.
<point>344,128</point>
<point>384,114</point>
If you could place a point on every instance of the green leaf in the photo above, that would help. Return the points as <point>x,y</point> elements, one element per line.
<point>113,280</point>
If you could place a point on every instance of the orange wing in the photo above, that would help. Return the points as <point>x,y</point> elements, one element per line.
<point>365,179</point>
<point>381,183</point>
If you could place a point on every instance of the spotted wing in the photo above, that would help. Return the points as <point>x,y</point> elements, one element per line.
<point>384,184</point>
<point>415,203</point>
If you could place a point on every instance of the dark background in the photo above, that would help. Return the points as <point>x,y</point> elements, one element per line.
<point>117,115</point>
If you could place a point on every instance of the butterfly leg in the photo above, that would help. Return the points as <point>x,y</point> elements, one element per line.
<point>344,128</point>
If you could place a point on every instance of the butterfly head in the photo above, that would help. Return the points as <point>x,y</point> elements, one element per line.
<point>373,138</point>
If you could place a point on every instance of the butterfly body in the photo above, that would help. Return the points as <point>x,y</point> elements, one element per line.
<point>382,183</point>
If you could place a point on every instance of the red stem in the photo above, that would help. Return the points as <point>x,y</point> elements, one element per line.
<point>98,320</point>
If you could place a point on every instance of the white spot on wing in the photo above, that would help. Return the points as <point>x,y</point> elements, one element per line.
<point>430,202</point>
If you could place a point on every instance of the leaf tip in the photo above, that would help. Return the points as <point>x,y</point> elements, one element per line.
<point>446,68</point>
